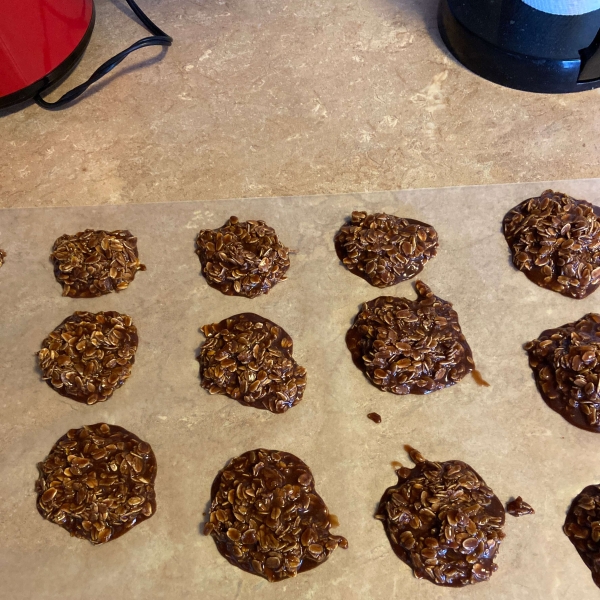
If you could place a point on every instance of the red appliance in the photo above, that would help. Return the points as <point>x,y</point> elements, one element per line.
<point>41,41</point>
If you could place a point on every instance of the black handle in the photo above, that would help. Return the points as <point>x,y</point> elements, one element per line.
<point>590,61</point>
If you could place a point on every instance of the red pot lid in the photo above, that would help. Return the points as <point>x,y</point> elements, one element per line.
<point>37,36</point>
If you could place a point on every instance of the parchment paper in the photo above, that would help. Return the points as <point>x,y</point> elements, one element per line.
<point>506,432</point>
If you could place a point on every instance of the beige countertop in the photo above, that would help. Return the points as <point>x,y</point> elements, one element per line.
<point>274,99</point>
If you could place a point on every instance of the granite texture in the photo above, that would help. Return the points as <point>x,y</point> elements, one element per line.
<point>505,432</point>
<point>272,99</point>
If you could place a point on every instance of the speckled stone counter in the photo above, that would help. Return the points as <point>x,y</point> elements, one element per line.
<point>274,99</point>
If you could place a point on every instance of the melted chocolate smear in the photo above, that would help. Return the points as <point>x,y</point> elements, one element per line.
<point>518,508</point>
<point>443,521</point>
<point>376,418</point>
<point>479,380</point>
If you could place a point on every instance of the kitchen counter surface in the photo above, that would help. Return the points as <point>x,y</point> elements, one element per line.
<point>274,99</point>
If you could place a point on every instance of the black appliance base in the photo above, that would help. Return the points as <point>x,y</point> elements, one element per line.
<point>510,69</point>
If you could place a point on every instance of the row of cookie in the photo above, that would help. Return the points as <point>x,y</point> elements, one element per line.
<point>403,346</point>
<point>554,240</point>
<point>266,516</point>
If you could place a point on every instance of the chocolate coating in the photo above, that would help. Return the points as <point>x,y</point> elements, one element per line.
<point>242,259</point>
<point>384,249</point>
<point>410,346</point>
<point>443,521</point>
<point>97,482</point>
<point>249,359</point>
<point>555,241</point>
<point>93,263</point>
<point>582,527</point>
<point>566,365</point>
<point>266,517</point>
<point>89,355</point>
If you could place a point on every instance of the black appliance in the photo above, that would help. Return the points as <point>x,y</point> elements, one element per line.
<point>550,46</point>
